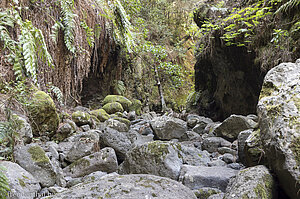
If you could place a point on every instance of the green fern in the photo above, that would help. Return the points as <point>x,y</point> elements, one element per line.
<point>89,33</point>
<point>23,54</point>
<point>4,186</point>
<point>289,5</point>
<point>59,95</point>
<point>68,22</point>
<point>54,30</point>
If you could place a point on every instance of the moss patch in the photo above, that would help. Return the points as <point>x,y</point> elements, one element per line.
<point>81,118</point>
<point>101,114</point>
<point>113,107</point>
<point>81,162</point>
<point>38,154</point>
<point>136,106</point>
<point>126,103</point>
<point>21,182</point>
<point>295,147</point>
<point>267,90</point>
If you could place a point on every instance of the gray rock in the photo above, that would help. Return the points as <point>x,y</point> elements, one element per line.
<point>253,117</point>
<point>116,140</point>
<point>201,123</point>
<point>81,118</point>
<point>142,127</point>
<point>149,116</point>
<point>56,189</point>
<point>64,131</point>
<point>117,125</point>
<point>104,160</point>
<point>279,114</point>
<point>232,126</point>
<point>216,163</point>
<point>228,158</point>
<point>138,139</point>
<point>194,156</point>
<point>205,192</point>
<point>254,182</point>
<point>217,196</point>
<point>157,158</point>
<point>193,136</point>
<point>34,160</point>
<point>22,184</point>
<point>196,177</point>
<point>253,150</point>
<point>128,187</point>
<point>131,116</point>
<point>236,166</point>
<point>223,150</point>
<point>85,128</point>
<point>241,144</point>
<point>83,144</point>
<point>211,144</point>
<point>23,128</point>
<point>211,127</point>
<point>167,128</point>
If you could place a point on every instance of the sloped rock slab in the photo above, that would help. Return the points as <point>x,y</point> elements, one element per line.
<point>132,186</point>
<point>196,177</point>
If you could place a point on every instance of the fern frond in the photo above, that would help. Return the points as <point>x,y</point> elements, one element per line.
<point>59,95</point>
<point>4,187</point>
<point>54,30</point>
<point>68,22</point>
<point>289,5</point>
<point>89,33</point>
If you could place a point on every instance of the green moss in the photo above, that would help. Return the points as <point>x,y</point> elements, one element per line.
<point>93,178</point>
<point>101,114</point>
<point>113,107</point>
<point>81,162</point>
<point>126,103</point>
<point>81,118</point>
<point>158,148</point>
<point>136,106</point>
<point>123,120</point>
<point>295,147</point>
<point>42,114</point>
<point>154,195</point>
<point>261,192</point>
<point>38,154</point>
<point>21,182</point>
<point>267,90</point>
<point>274,111</point>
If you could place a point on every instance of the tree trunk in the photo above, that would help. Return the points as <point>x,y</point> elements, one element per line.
<point>162,100</point>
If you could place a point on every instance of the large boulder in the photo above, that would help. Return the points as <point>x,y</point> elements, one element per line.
<point>279,120</point>
<point>105,160</point>
<point>42,114</point>
<point>116,124</point>
<point>136,106</point>
<point>23,128</point>
<point>196,177</point>
<point>126,103</point>
<point>241,144</point>
<point>254,182</point>
<point>232,126</point>
<point>22,184</point>
<point>34,160</point>
<point>113,107</point>
<point>167,128</point>
<point>81,118</point>
<point>211,144</point>
<point>157,158</point>
<point>116,140</point>
<point>84,144</point>
<point>128,186</point>
<point>101,114</point>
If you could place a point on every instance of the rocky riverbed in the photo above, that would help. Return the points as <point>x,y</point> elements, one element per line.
<point>117,152</point>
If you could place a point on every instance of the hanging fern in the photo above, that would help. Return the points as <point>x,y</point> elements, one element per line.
<point>23,54</point>
<point>58,94</point>
<point>68,22</point>
<point>89,33</point>
<point>288,6</point>
<point>4,187</point>
<point>54,30</point>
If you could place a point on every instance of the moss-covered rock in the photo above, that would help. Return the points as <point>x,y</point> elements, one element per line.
<point>81,118</point>
<point>126,103</point>
<point>121,119</point>
<point>101,114</point>
<point>113,107</point>
<point>136,106</point>
<point>38,154</point>
<point>42,114</point>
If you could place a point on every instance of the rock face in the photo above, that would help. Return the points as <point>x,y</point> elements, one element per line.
<point>84,144</point>
<point>157,158</point>
<point>105,160</point>
<point>129,186</point>
<point>254,182</point>
<point>196,177</point>
<point>22,184</point>
<point>279,115</point>
<point>34,160</point>
<point>167,128</point>
<point>232,126</point>
<point>116,140</point>
<point>43,116</point>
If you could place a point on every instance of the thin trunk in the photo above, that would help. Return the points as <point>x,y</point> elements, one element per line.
<point>162,100</point>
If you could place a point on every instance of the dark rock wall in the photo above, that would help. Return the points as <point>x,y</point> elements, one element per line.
<point>229,82</point>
